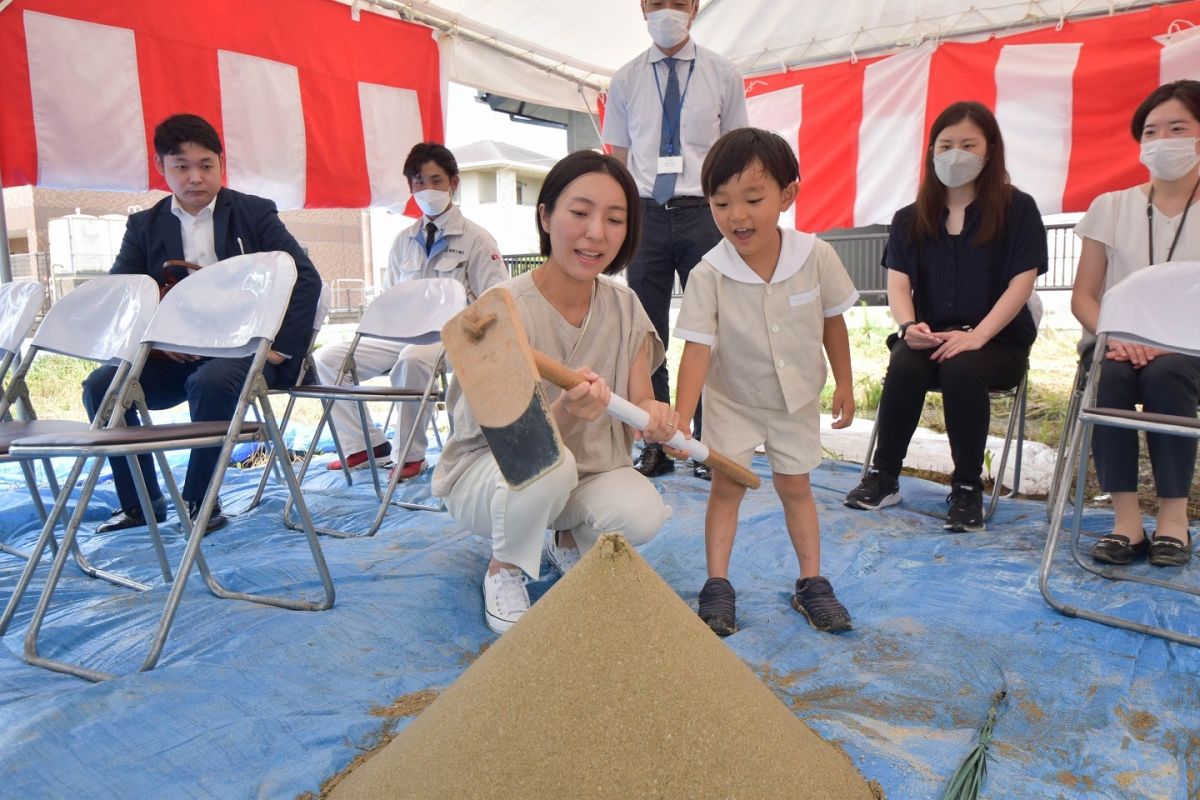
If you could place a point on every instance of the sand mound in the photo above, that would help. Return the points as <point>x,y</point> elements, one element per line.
<point>609,687</point>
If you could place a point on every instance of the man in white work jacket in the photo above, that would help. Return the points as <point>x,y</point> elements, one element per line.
<point>440,244</point>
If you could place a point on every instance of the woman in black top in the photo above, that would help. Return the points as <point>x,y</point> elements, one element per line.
<point>961,264</point>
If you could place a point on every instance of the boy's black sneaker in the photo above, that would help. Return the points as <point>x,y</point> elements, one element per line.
<point>876,491</point>
<point>814,599</point>
<point>716,606</point>
<point>966,509</point>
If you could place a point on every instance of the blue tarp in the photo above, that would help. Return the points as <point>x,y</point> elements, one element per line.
<point>251,701</point>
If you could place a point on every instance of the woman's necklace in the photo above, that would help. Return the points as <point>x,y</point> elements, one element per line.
<point>586,319</point>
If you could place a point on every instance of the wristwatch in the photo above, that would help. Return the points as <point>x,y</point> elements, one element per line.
<point>905,326</point>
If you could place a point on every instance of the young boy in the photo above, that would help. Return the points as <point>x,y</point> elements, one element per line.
<point>754,313</point>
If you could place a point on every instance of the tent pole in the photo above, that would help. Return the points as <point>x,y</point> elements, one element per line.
<point>5,261</point>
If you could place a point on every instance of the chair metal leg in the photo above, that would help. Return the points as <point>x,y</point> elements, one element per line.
<point>870,454</point>
<point>191,556</point>
<point>272,465</point>
<point>1016,413</point>
<point>1079,449</point>
<point>36,496</point>
<point>1071,420</point>
<point>384,494</point>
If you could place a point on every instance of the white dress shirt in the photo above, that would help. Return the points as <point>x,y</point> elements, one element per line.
<point>199,238</point>
<point>714,103</point>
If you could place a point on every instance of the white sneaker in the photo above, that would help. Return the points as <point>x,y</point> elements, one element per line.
<point>505,599</point>
<point>562,558</point>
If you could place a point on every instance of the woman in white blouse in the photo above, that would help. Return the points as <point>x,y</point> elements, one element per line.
<point>1123,232</point>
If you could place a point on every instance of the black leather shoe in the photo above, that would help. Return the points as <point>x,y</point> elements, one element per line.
<point>701,470</point>
<point>124,518</point>
<point>215,522</point>
<point>1114,548</point>
<point>654,461</point>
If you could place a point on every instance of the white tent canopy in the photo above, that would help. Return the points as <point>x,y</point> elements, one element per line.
<point>564,53</point>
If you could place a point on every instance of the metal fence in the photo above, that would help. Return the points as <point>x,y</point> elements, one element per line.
<point>861,252</point>
<point>519,264</point>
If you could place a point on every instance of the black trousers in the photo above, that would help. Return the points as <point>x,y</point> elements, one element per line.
<point>673,241</point>
<point>964,381</point>
<point>1170,384</point>
<point>210,387</point>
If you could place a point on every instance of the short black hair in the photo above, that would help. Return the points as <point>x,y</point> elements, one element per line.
<point>425,152</point>
<point>576,165</point>
<point>734,152</point>
<point>1186,92</point>
<point>175,131</point>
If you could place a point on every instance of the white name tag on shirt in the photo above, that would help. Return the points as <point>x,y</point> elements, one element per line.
<point>670,165</point>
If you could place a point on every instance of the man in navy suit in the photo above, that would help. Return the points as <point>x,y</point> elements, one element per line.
<point>201,222</point>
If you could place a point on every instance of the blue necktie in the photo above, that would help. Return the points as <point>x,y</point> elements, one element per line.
<point>664,185</point>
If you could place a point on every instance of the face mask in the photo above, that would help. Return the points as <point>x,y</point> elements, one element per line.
<point>432,201</point>
<point>668,27</point>
<point>1169,159</point>
<point>956,168</point>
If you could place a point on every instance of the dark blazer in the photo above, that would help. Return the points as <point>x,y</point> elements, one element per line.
<point>153,236</point>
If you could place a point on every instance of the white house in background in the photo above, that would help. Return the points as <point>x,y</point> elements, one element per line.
<point>498,189</point>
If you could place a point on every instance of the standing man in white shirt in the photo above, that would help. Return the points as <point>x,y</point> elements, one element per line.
<point>665,109</point>
<point>440,244</point>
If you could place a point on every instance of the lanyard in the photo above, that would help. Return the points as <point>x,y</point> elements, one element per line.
<point>663,101</point>
<point>1178,231</point>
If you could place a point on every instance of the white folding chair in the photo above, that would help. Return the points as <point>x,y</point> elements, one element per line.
<point>102,320</point>
<point>307,368</point>
<point>231,309</point>
<point>1017,398</point>
<point>1156,307</point>
<point>412,312</point>
<point>19,304</point>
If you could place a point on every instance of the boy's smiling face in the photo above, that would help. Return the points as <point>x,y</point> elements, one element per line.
<point>746,209</point>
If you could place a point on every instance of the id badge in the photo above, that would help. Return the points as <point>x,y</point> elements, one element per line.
<point>670,165</point>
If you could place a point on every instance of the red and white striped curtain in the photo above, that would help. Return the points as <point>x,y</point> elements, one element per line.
<point>1063,96</point>
<point>315,109</point>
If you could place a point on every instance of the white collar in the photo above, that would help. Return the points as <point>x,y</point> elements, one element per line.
<point>686,53</point>
<point>177,209</point>
<point>793,254</point>
<point>449,222</point>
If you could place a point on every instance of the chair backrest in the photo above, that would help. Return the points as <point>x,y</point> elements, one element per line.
<point>323,306</point>
<point>100,320</point>
<point>1036,308</point>
<point>226,308</point>
<point>19,304</point>
<point>414,311</point>
<point>1156,306</point>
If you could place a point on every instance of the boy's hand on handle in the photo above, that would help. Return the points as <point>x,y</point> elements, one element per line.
<point>843,406</point>
<point>663,422</point>
<point>587,400</point>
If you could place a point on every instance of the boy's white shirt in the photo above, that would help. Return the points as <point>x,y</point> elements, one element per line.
<point>794,250</point>
<point>740,368</point>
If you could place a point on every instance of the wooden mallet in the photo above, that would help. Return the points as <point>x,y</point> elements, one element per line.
<point>499,372</point>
